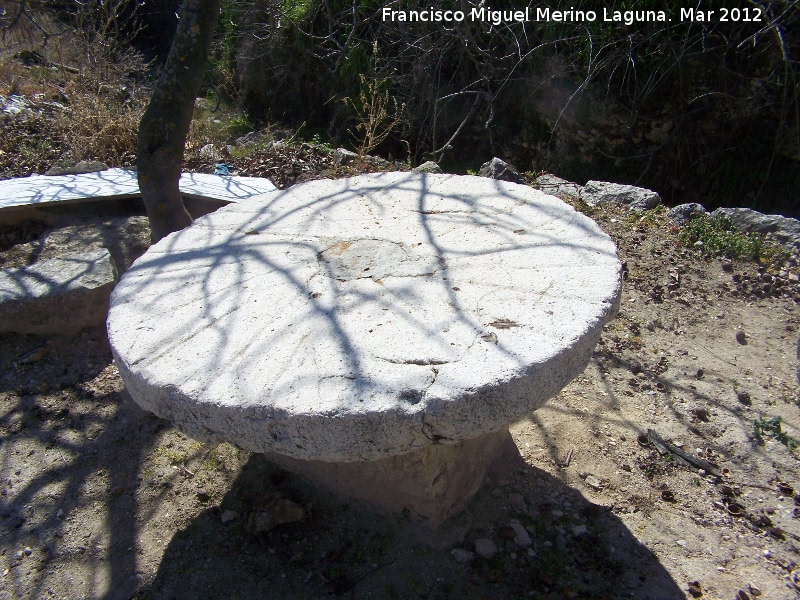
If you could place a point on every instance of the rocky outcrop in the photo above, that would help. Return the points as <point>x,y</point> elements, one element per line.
<point>62,295</point>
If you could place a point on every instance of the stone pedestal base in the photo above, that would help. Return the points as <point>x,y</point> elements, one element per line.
<point>429,485</point>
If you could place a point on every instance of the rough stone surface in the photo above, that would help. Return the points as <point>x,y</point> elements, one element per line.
<point>209,152</point>
<point>783,229</point>
<point>278,512</point>
<point>485,548</point>
<point>343,156</point>
<point>499,169</point>
<point>550,184</point>
<point>356,319</point>
<point>428,167</point>
<point>462,556</point>
<point>599,192</point>
<point>83,166</point>
<point>57,296</point>
<point>521,537</point>
<point>517,502</point>
<point>428,485</point>
<point>41,190</point>
<point>683,213</point>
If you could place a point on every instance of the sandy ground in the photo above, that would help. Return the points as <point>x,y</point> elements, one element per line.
<point>102,500</point>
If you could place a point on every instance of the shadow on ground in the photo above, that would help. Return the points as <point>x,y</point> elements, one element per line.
<point>578,549</point>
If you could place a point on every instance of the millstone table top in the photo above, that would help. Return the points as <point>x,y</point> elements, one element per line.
<point>41,190</point>
<point>354,319</point>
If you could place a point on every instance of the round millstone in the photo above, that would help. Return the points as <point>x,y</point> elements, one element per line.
<point>357,319</point>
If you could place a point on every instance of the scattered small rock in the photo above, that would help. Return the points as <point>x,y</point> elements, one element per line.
<point>521,537</point>
<point>593,482</point>
<point>744,397</point>
<point>754,589</point>
<point>33,356</point>
<point>228,516</point>
<point>695,589</point>
<point>278,512</point>
<point>461,555</point>
<point>506,533</point>
<point>742,595</point>
<point>741,337</point>
<point>517,502</point>
<point>485,548</point>
<point>636,367</point>
<point>203,496</point>
<point>27,551</point>
<point>579,530</point>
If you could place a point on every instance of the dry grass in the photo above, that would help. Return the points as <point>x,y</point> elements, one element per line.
<point>80,99</point>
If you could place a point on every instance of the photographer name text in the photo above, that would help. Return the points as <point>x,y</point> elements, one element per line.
<point>546,15</point>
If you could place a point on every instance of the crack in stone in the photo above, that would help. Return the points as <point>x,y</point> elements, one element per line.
<point>420,362</point>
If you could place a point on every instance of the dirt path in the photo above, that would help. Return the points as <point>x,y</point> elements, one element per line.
<point>100,499</point>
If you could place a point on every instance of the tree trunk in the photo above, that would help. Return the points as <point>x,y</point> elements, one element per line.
<point>165,123</point>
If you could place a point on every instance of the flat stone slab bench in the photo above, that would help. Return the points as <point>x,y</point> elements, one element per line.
<point>42,190</point>
<point>377,334</point>
<point>62,295</point>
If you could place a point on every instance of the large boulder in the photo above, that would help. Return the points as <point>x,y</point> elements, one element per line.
<point>636,198</point>
<point>782,228</point>
<point>499,169</point>
<point>62,295</point>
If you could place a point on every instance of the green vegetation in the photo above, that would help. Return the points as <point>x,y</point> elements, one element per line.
<point>772,427</point>
<point>719,236</point>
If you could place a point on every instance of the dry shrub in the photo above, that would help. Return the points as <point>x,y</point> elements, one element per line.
<point>80,78</point>
<point>103,123</point>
